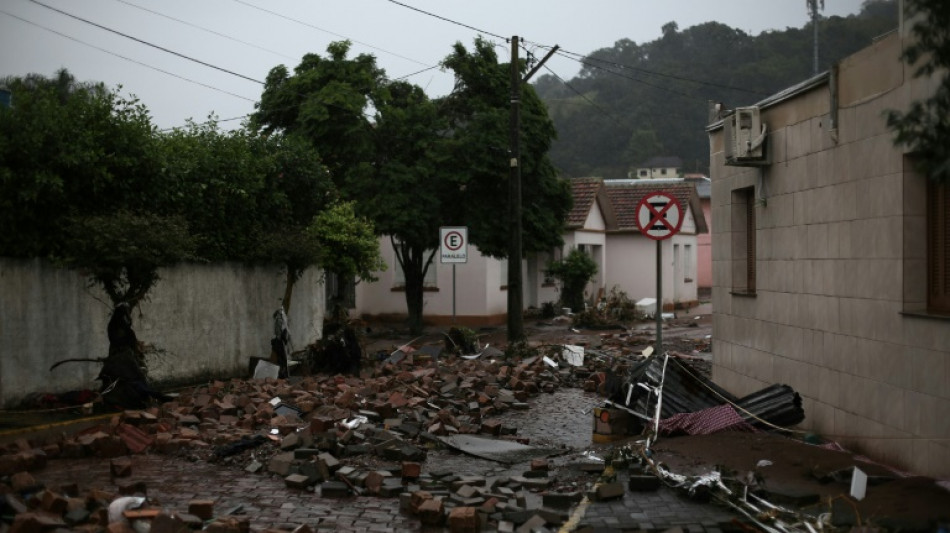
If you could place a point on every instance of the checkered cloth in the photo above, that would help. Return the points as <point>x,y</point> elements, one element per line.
<point>705,422</point>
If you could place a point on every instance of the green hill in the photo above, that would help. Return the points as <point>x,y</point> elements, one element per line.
<point>634,101</point>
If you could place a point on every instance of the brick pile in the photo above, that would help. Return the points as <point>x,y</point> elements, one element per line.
<point>334,435</point>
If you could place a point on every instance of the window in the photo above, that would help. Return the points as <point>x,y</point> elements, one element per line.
<point>663,172</point>
<point>743,241</point>
<point>938,248</point>
<point>643,173</point>
<point>430,281</point>
<point>503,273</point>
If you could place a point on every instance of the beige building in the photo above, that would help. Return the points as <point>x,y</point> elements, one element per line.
<point>823,275</point>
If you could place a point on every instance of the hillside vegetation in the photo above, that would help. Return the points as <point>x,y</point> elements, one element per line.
<point>634,101</point>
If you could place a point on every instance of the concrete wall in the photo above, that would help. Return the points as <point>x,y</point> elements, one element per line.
<point>838,236</point>
<point>208,320</point>
<point>480,293</point>
<point>704,275</point>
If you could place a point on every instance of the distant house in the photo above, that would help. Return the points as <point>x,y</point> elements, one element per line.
<point>659,168</point>
<point>832,262</point>
<point>631,257</point>
<point>601,223</point>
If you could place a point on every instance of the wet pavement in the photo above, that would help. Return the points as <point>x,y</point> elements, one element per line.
<point>562,420</point>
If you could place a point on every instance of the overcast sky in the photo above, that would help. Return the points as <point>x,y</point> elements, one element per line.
<point>244,39</point>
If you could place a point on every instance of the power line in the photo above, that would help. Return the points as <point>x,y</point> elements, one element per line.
<point>285,17</point>
<point>584,60</point>
<point>584,96</point>
<point>219,34</point>
<point>110,52</point>
<point>473,28</point>
<point>136,39</point>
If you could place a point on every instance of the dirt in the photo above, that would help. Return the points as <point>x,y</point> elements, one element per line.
<point>810,477</point>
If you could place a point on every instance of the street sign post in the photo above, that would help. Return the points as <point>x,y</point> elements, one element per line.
<point>659,217</point>
<point>453,248</point>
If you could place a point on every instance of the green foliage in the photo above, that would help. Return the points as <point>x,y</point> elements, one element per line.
<point>925,127</point>
<point>574,272</point>
<point>69,149</point>
<point>122,251</point>
<point>347,242</point>
<point>324,101</point>
<point>604,132</point>
<point>478,116</point>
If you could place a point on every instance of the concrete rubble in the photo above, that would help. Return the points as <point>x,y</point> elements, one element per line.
<point>335,436</point>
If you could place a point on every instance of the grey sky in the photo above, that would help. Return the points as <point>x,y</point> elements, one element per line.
<point>403,40</point>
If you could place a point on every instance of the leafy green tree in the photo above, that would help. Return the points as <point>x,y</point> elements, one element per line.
<point>79,183</point>
<point>346,242</point>
<point>477,112</point>
<point>925,127</point>
<point>325,101</point>
<point>410,194</point>
<point>121,252</point>
<point>574,272</point>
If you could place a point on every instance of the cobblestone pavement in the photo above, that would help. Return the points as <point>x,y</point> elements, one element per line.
<point>562,419</point>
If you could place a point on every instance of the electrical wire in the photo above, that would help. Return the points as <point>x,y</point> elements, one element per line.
<point>457,23</point>
<point>219,34</point>
<point>142,41</point>
<point>584,96</point>
<point>110,52</point>
<point>307,24</point>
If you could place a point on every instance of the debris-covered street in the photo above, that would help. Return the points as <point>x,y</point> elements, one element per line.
<point>428,440</point>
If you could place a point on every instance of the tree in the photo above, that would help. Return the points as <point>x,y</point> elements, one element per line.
<point>79,182</point>
<point>477,112</point>
<point>347,243</point>
<point>574,272</point>
<point>925,127</point>
<point>325,101</point>
<point>410,194</point>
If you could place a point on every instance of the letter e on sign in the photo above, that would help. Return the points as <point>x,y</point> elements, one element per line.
<point>453,244</point>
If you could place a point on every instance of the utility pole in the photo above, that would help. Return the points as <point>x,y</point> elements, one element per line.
<point>515,292</point>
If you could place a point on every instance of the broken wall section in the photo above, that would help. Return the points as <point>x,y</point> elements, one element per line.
<point>203,319</point>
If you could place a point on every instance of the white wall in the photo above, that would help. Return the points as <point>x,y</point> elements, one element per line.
<point>478,289</point>
<point>208,319</point>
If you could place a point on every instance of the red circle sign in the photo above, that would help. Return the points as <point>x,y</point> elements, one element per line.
<point>454,240</point>
<point>659,215</point>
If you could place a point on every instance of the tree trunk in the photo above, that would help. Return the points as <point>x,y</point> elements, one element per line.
<point>413,261</point>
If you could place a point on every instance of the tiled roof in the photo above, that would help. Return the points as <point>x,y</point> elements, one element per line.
<point>624,197</point>
<point>584,191</point>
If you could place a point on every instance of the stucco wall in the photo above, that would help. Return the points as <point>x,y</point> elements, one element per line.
<point>480,297</point>
<point>208,319</point>
<point>837,267</point>
<point>704,275</point>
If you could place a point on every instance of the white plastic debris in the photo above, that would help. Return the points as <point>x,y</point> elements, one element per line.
<point>763,463</point>
<point>275,401</point>
<point>355,422</point>
<point>550,362</point>
<point>574,355</point>
<point>121,505</point>
<point>646,306</point>
<point>266,369</point>
<point>859,484</point>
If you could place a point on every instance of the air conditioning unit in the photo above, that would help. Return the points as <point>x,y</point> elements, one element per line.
<point>745,136</point>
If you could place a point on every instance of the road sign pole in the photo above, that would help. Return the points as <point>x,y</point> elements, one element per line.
<point>659,298</point>
<point>453,293</point>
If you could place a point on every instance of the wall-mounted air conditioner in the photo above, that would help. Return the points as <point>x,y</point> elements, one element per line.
<point>745,137</point>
